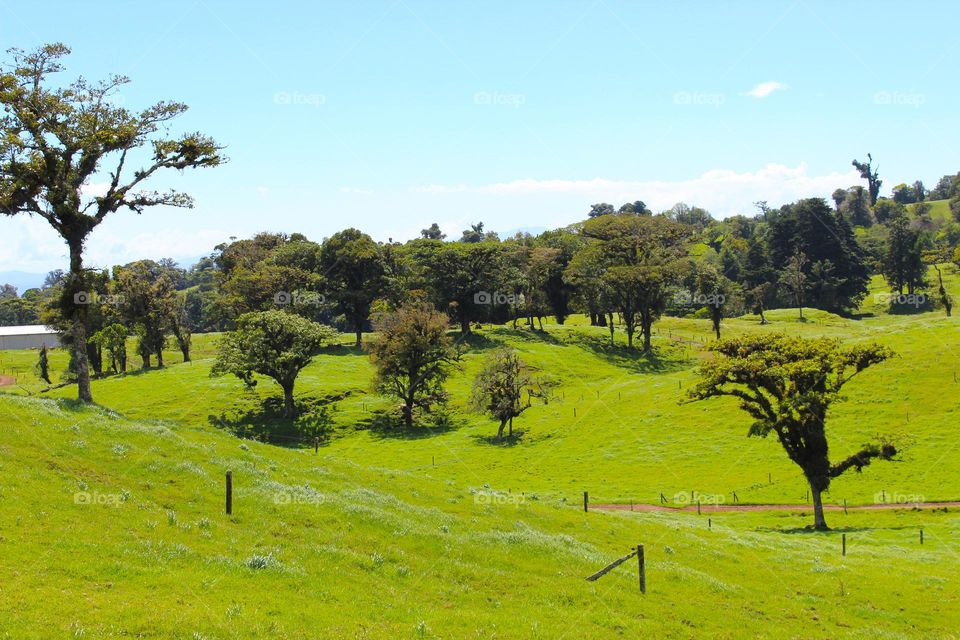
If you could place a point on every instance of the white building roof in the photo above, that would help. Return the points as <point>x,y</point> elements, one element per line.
<point>27,330</point>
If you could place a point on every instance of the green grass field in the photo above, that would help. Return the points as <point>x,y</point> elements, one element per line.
<point>442,532</point>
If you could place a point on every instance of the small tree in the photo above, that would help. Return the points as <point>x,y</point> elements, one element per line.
<point>276,344</point>
<point>43,364</point>
<point>180,324</point>
<point>795,279</point>
<point>412,355</point>
<point>787,385</point>
<point>945,297</point>
<point>499,388</point>
<point>113,338</point>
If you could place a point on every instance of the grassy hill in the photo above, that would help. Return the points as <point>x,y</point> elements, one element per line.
<point>114,527</point>
<point>116,515</point>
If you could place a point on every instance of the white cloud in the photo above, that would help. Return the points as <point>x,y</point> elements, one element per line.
<point>764,89</point>
<point>722,191</point>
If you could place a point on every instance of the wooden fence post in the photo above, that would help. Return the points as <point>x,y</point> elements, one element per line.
<point>844,544</point>
<point>643,569</point>
<point>229,493</point>
<point>921,535</point>
<point>586,501</point>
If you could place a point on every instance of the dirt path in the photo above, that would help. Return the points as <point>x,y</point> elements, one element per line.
<point>7,381</point>
<point>713,508</point>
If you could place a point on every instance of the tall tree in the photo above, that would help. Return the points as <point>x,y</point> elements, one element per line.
<point>868,173</point>
<point>903,265</point>
<point>352,265</point>
<point>641,258</point>
<point>54,139</point>
<point>787,386</point>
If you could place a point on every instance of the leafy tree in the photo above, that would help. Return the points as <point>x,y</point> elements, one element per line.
<point>499,387</point>
<point>276,344</point>
<point>601,209</point>
<point>354,271</point>
<point>637,207</point>
<point>886,209</point>
<point>458,274</point>
<point>904,193</point>
<point>412,355</point>
<point>716,291</point>
<point>838,196</point>
<point>794,278</point>
<point>811,227</point>
<point>55,139</point>
<point>856,207</point>
<point>903,266</point>
<point>947,187</point>
<point>113,338</point>
<point>868,173</point>
<point>693,216</point>
<point>476,234</point>
<point>433,232</point>
<point>180,324</point>
<point>641,260</point>
<point>788,385</point>
<point>919,191</point>
<point>146,298</point>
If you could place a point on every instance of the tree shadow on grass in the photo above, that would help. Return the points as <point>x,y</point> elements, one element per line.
<point>808,529</point>
<point>387,425</point>
<point>659,360</point>
<point>263,420</point>
<point>526,334</point>
<point>507,440</point>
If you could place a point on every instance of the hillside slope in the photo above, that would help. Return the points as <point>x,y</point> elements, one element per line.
<point>112,527</point>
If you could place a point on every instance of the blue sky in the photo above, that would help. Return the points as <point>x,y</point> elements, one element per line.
<point>390,115</point>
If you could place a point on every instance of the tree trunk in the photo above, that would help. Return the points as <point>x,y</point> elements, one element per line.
<point>540,322</point>
<point>160,358</point>
<point>358,331</point>
<point>185,350</point>
<point>819,522</point>
<point>289,409</point>
<point>465,327</point>
<point>503,425</point>
<point>611,330</point>
<point>79,328</point>
<point>511,426</point>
